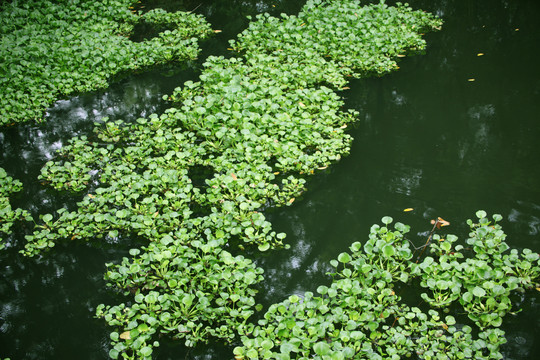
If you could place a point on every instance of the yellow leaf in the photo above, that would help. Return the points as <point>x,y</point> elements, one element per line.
<point>276,173</point>
<point>322,167</point>
<point>471,80</point>
<point>408,209</point>
<point>125,335</point>
<point>345,88</point>
<point>445,326</point>
<point>344,126</point>
<point>291,200</point>
<point>217,31</point>
<point>443,222</point>
<point>234,176</point>
<point>538,289</point>
<point>480,54</point>
<point>401,55</point>
<point>91,196</point>
<point>229,48</point>
<point>301,104</point>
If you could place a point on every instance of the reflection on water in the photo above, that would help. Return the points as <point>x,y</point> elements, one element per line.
<point>40,316</point>
<point>427,139</point>
<point>480,117</point>
<point>407,181</point>
<point>526,215</point>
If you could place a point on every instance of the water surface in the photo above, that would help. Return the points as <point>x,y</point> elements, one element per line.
<point>453,131</point>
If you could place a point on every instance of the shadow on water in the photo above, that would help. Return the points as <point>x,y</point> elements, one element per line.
<point>429,138</point>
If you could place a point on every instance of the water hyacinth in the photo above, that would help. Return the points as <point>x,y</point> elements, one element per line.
<point>360,316</point>
<point>195,180</point>
<point>51,49</point>
<point>8,215</point>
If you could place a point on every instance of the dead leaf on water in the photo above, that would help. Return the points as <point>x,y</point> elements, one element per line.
<point>480,54</point>
<point>125,335</point>
<point>291,200</point>
<point>401,55</point>
<point>440,222</point>
<point>471,80</point>
<point>234,176</point>
<point>217,31</point>
<point>408,209</point>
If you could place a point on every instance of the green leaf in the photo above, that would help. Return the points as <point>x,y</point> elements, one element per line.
<point>389,250</point>
<point>478,291</point>
<point>344,258</point>
<point>113,354</point>
<point>480,214</point>
<point>252,354</point>
<point>146,351</point>
<point>267,344</point>
<point>322,348</point>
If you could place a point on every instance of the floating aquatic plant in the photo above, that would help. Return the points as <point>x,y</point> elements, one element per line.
<point>360,315</point>
<point>195,180</point>
<point>8,215</point>
<point>51,49</point>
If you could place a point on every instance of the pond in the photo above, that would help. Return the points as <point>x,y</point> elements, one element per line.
<point>453,131</point>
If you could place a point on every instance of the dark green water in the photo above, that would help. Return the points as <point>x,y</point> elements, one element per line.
<point>427,139</point>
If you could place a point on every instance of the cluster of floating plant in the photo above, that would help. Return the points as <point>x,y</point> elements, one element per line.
<point>8,215</point>
<point>360,315</point>
<point>195,181</point>
<point>51,49</point>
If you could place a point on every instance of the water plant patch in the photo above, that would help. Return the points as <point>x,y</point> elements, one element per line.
<point>8,215</point>
<point>360,316</point>
<point>195,181</point>
<point>51,49</point>
<point>188,287</point>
